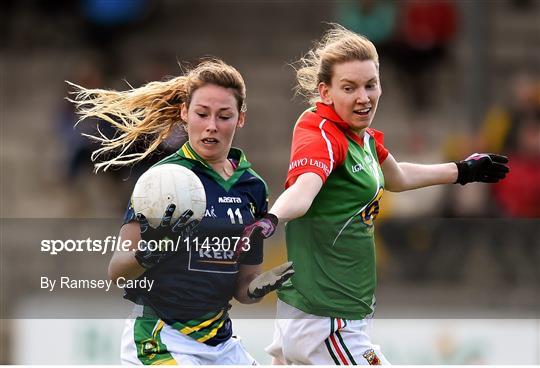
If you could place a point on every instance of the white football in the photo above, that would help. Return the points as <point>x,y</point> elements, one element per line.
<point>165,184</point>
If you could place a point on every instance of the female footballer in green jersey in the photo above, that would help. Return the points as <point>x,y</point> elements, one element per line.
<point>339,169</point>
<point>184,318</point>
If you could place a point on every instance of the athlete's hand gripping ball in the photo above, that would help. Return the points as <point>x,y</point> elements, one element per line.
<point>150,253</point>
<point>257,231</point>
<point>270,280</point>
<point>482,167</point>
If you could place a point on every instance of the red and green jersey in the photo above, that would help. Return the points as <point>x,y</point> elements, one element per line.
<point>332,245</point>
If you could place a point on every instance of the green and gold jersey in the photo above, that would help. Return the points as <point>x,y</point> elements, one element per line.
<point>193,287</point>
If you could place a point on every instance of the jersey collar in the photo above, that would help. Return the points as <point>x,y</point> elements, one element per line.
<point>188,153</point>
<point>327,112</point>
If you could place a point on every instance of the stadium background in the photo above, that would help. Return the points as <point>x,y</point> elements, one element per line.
<point>459,267</point>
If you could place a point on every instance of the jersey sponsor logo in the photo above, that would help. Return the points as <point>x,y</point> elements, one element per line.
<point>371,211</point>
<point>309,162</point>
<point>229,200</point>
<point>210,255</point>
<point>210,212</point>
<point>207,257</point>
<point>357,168</point>
<point>371,357</point>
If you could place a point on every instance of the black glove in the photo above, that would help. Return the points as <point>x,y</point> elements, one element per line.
<point>147,255</point>
<point>256,231</point>
<point>270,280</point>
<point>483,167</point>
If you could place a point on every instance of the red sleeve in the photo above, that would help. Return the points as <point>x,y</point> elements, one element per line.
<point>317,147</point>
<point>382,152</point>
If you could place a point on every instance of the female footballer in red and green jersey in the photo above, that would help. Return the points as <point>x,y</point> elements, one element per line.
<point>338,171</point>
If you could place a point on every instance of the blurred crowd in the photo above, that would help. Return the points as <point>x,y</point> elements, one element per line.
<point>414,35</point>
<point>503,217</point>
<point>484,238</point>
<point>416,39</point>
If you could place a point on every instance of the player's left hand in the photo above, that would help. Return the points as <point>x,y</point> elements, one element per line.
<point>270,280</point>
<point>482,167</point>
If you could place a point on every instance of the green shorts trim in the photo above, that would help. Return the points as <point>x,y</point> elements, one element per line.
<point>147,337</point>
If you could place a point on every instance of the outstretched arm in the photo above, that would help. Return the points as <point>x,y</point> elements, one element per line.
<point>401,176</point>
<point>481,167</point>
<point>295,201</point>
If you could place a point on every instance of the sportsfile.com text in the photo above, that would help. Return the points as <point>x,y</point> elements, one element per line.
<point>114,243</point>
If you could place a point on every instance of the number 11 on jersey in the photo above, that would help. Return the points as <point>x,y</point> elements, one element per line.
<point>232,215</point>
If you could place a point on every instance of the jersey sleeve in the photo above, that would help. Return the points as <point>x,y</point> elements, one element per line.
<point>317,149</point>
<point>382,151</point>
<point>255,255</point>
<point>261,205</point>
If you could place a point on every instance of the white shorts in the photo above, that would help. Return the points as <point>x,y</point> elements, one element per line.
<point>147,341</point>
<point>303,338</point>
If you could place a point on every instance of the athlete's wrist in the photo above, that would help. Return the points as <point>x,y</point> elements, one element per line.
<point>272,218</point>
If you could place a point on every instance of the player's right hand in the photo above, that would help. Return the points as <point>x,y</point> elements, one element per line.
<point>270,280</point>
<point>482,167</point>
<point>255,232</point>
<point>150,254</point>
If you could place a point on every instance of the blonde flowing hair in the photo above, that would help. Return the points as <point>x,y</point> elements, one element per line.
<point>149,112</point>
<point>337,45</point>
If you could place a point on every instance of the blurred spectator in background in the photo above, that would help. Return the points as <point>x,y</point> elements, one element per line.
<point>524,5</point>
<point>109,13</point>
<point>520,196</point>
<point>425,32</point>
<point>106,21</point>
<point>516,129</point>
<point>88,194</point>
<point>500,129</point>
<point>375,19</point>
<point>511,234</point>
<point>78,148</point>
<point>91,194</point>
